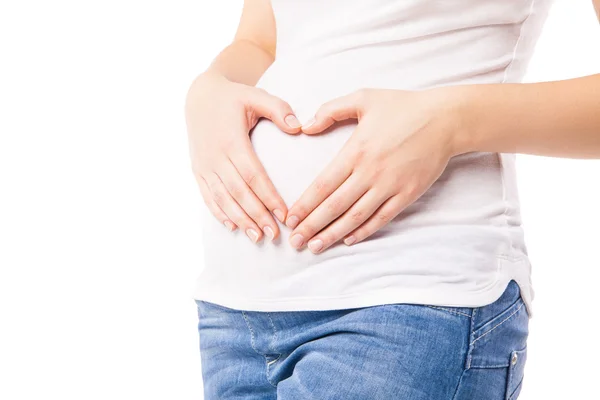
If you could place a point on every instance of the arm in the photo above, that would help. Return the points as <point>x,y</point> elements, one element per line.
<point>559,119</point>
<point>253,48</point>
<point>404,141</point>
<point>222,106</point>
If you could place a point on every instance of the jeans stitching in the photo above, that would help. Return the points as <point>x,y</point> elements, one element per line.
<point>274,339</point>
<point>448,310</point>
<point>503,321</point>
<point>272,348</point>
<point>254,348</point>
<point>501,314</point>
<point>467,365</point>
<point>471,336</point>
<point>511,397</point>
<point>492,366</point>
<point>268,370</point>
<point>252,343</point>
<point>512,372</point>
<point>459,382</point>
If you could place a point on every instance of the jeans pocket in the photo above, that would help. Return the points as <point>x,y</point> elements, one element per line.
<point>516,372</point>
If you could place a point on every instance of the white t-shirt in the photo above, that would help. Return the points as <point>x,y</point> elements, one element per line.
<point>461,242</point>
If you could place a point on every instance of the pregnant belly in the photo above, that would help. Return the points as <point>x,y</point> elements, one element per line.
<point>294,161</point>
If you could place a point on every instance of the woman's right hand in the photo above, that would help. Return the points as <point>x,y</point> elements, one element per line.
<point>232,181</point>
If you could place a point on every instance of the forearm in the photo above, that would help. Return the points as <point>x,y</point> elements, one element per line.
<point>559,119</point>
<point>241,62</point>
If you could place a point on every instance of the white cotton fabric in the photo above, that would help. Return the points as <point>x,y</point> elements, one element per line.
<point>458,245</point>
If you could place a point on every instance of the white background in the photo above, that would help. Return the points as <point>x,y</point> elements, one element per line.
<point>99,212</point>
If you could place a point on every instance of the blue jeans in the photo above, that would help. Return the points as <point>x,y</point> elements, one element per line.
<point>392,351</point>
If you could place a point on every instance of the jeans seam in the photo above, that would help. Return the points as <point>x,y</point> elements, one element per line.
<point>467,364</point>
<point>252,342</point>
<point>448,310</point>
<point>492,366</point>
<point>502,322</point>
<point>500,315</point>
<point>459,382</point>
<point>272,348</point>
<point>274,339</point>
<point>471,336</point>
<point>268,370</point>
<point>511,396</point>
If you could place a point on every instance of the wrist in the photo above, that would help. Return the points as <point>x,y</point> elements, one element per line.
<point>456,107</point>
<point>212,74</point>
<point>208,78</point>
<point>487,112</point>
<point>203,83</point>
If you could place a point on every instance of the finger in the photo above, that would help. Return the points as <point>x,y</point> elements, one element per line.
<point>388,211</point>
<point>247,200</point>
<point>275,109</point>
<point>353,218</point>
<point>338,170</point>
<point>331,208</point>
<point>212,206</point>
<point>231,208</point>
<point>253,173</point>
<point>340,109</point>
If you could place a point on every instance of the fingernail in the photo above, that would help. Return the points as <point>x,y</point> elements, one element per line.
<point>252,234</point>
<point>292,222</point>
<point>297,241</point>
<point>229,225</point>
<point>279,214</point>
<point>315,245</point>
<point>269,232</point>
<point>309,123</point>
<point>349,240</point>
<point>292,121</point>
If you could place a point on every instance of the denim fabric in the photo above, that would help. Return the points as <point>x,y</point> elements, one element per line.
<point>391,351</point>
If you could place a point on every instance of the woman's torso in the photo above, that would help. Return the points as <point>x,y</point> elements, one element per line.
<point>461,242</point>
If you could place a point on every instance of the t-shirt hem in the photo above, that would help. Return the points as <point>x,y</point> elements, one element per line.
<point>379,297</point>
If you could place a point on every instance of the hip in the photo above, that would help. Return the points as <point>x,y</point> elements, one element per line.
<point>393,350</point>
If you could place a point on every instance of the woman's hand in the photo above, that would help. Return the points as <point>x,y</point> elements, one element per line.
<point>401,145</point>
<point>233,182</point>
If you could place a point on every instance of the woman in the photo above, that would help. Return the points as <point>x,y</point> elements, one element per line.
<point>395,265</point>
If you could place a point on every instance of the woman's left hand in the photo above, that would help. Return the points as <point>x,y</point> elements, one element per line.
<point>400,147</point>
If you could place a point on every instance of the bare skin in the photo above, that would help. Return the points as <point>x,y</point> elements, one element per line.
<point>222,107</point>
<point>392,158</point>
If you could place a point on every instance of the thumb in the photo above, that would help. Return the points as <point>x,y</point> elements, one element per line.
<point>340,109</point>
<point>273,108</point>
